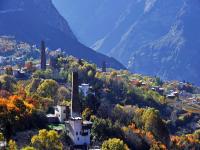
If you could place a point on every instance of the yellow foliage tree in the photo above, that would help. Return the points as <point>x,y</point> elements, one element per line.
<point>47,140</point>
<point>114,144</point>
<point>12,145</point>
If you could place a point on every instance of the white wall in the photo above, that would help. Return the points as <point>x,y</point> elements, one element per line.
<point>60,112</point>
<point>77,137</point>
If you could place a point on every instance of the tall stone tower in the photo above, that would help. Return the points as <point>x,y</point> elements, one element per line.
<point>78,130</point>
<point>43,56</point>
<point>104,66</point>
<point>76,105</point>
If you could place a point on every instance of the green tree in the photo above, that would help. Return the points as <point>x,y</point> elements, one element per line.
<point>47,140</point>
<point>63,94</point>
<point>90,74</point>
<point>153,123</point>
<point>8,83</point>
<point>103,129</point>
<point>48,88</point>
<point>63,74</point>
<point>114,144</point>
<point>124,115</point>
<point>33,85</point>
<point>197,134</point>
<point>87,114</point>
<point>46,74</point>
<point>1,137</point>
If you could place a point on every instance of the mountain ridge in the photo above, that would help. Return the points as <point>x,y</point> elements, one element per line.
<point>153,37</point>
<point>33,21</point>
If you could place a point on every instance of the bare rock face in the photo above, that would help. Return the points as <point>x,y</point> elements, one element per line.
<point>35,20</point>
<point>154,37</point>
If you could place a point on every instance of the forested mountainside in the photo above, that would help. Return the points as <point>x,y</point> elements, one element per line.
<point>155,37</point>
<point>32,21</point>
<point>125,109</point>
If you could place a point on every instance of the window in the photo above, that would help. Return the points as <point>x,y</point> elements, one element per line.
<point>76,133</point>
<point>78,138</point>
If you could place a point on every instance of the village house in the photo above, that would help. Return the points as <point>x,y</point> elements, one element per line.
<point>60,115</point>
<point>2,71</point>
<point>3,145</point>
<point>84,88</point>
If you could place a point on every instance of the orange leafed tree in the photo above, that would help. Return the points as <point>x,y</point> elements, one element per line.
<point>13,110</point>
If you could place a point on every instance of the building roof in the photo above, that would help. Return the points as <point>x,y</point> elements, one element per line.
<point>50,115</point>
<point>76,118</point>
<point>59,127</point>
<point>87,122</point>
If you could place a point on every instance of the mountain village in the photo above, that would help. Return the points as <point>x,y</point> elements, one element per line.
<point>68,119</point>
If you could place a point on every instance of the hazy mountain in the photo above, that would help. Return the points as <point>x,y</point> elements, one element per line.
<point>35,20</point>
<point>156,37</point>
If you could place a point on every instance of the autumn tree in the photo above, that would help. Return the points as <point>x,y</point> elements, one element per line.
<point>47,140</point>
<point>103,129</point>
<point>63,94</point>
<point>13,111</point>
<point>86,114</point>
<point>12,145</point>
<point>48,88</point>
<point>154,124</point>
<point>188,141</point>
<point>31,88</point>
<point>28,148</point>
<point>1,137</point>
<point>8,83</point>
<point>122,114</point>
<point>114,144</point>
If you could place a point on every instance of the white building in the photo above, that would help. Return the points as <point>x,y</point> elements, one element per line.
<point>2,71</point>
<point>84,88</point>
<point>61,113</point>
<point>3,145</point>
<point>78,130</point>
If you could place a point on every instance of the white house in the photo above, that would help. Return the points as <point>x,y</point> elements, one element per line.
<point>3,145</point>
<point>78,130</point>
<point>61,113</point>
<point>84,88</point>
<point>2,71</point>
<point>59,116</point>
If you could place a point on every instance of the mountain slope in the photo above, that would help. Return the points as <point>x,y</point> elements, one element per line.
<point>154,37</point>
<point>32,21</point>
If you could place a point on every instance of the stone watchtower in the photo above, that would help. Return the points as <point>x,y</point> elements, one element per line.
<point>77,129</point>
<point>103,66</point>
<point>76,105</point>
<point>43,56</point>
